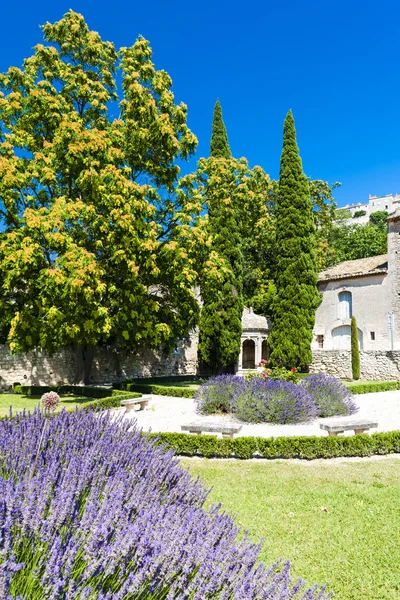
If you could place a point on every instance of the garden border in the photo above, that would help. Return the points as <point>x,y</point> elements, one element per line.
<point>304,447</point>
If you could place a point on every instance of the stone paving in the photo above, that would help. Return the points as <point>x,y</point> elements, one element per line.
<point>166,413</point>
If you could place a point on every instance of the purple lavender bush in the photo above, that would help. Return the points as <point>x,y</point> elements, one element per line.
<point>110,515</point>
<point>218,394</point>
<point>274,401</point>
<point>330,395</point>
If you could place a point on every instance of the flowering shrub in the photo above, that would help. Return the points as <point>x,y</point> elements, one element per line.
<point>278,372</point>
<point>274,401</point>
<point>108,515</point>
<point>50,401</point>
<point>329,394</point>
<point>218,394</point>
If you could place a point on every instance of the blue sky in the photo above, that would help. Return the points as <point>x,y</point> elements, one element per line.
<point>335,63</point>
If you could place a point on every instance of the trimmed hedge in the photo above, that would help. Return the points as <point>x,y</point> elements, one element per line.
<point>77,390</point>
<point>376,386</point>
<point>158,390</point>
<point>161,380</point>
<point>305,447</point>
<point>113,401</point>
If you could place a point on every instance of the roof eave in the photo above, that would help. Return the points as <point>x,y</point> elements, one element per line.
<point>352,275</point>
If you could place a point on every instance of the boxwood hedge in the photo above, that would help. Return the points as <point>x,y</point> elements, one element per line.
<point>305,447</point>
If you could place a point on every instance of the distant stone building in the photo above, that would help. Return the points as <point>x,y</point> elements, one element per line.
<point>389,203</point>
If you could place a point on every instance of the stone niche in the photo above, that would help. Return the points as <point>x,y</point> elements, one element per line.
<point>254,341</point>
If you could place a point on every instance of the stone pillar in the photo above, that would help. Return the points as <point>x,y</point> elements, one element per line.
<point>240,360</point>
<point>258,351</point>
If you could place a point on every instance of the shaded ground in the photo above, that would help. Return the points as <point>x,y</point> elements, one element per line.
<point>338,524</point>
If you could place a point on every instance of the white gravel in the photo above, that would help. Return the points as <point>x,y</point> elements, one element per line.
<point>165,413</point>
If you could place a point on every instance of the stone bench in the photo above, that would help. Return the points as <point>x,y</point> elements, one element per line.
<point>132,403</point>
<point>227,429</point>
<point>358,425</point>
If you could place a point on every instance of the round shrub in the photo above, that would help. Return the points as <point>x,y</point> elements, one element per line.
<point>108,515</point>
<point>330,395</point>
<point>274,401</point>
<point>218,394</point>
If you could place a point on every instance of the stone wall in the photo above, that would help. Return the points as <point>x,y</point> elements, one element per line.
<point>375,365</point>
<point>109,365</point>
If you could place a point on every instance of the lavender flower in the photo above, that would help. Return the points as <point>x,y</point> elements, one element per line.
<point>330,395</point>
<point>274,401</point>
<point>218,394</point>
<point>110,514</point>
<point>50,401</point>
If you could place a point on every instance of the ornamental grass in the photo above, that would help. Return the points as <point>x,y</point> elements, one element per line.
<point>109,515</point>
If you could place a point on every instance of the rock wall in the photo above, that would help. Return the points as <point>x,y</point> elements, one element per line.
<point>109,365</point>
<point>375,365</point>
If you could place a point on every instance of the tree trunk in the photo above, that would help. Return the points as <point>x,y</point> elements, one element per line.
<point>85,362</point>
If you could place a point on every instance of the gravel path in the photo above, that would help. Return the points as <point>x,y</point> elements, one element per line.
<point>166,413</point>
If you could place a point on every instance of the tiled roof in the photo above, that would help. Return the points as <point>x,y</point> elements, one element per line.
<point>356,268</point>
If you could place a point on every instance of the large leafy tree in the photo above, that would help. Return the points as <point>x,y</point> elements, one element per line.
<point>350,242</point>
<point>91,251</point>
<point>297,296</point>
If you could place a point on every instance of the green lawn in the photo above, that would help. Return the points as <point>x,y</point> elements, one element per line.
<point>180,384</point>
<point>338,524</point>
<point>19,402</point>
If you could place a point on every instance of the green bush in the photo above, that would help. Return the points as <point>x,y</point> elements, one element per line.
<point>160,380</point>
<point>38,390</point>
<point>17,388</point>
<point>76,390</point>
<point>375,386</point>
<point>158,390</point>
<point>113,401</point>
<point>305,447</point>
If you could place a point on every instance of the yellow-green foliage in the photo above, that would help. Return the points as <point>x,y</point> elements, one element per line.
<point>90,251</point>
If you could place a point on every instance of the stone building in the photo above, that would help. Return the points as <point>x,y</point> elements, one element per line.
<point>389,203</point>
<point>369,290</point>
<point>254,345</point>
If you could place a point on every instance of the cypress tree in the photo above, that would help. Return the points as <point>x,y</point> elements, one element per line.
<point>219,146</point>
<point>296,276</point>
<point>220,326</point>
<point>355,351</point>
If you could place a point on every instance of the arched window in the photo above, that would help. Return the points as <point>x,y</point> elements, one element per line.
<point>345,305</point>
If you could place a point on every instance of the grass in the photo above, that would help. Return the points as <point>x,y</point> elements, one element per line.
<point>355,382</point>
<point>180,384</point>
<point>19,402</point>
<point>338,523</point>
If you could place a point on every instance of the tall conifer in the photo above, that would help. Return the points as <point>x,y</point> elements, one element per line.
<point>296,276</point>
<point>355,350</point>
<point>219,146</point>
<point>220,326</point>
